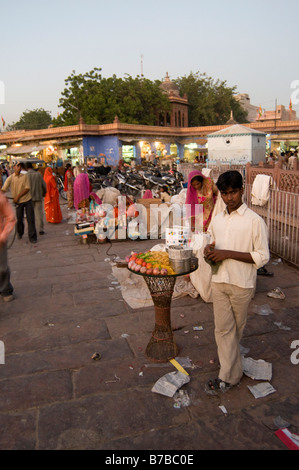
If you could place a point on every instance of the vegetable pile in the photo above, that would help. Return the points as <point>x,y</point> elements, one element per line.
<point>151,262</point>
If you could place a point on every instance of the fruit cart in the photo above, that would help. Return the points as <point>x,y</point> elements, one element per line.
<point>162,346</point>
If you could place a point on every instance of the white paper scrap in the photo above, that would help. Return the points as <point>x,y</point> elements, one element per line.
<point>257,369</point>
<point>170,383</point>
<point>261,390</point>
<point>223,409</point>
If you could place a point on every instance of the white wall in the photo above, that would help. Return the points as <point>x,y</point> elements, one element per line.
<point>237,149</point>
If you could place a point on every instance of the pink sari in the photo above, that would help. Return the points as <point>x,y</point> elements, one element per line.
<point>82,190</point>
<point>206,198</point>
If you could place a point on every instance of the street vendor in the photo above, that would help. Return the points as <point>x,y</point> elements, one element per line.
<point>239,243</point>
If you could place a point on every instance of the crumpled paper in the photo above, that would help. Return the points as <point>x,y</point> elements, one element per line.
<point>170,383</point>
<point>257,369</point>
<point>261,390</point>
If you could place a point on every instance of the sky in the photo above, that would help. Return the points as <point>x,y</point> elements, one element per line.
<point>248,44</point>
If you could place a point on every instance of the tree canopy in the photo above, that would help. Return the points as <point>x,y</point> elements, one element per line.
<point>33,119</point>
<point>97,100</point>
<point>210,101</point>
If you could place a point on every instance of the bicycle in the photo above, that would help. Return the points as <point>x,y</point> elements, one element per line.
<point>60,187</point>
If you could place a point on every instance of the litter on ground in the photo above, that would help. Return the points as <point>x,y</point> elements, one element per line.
<point>276,293</point>
<point>257,369</point>
<point>261,390</point>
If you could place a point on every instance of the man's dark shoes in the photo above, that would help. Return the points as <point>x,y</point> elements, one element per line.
<point>264,272</point>
<point>217,385</point>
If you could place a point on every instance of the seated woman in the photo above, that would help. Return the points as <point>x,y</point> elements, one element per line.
<point>164,194</point>
<point>148,194</point>
<point>94,202</point>
<point>201,190</point>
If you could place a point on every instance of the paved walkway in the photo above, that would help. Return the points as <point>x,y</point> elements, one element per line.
<point>68,306</point>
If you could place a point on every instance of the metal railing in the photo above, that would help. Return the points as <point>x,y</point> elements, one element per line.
<point>281,212</point>
<point>281,215</point>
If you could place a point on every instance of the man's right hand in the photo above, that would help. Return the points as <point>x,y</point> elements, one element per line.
<point>208,249</point>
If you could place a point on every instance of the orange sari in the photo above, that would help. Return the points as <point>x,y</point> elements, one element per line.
<point>51,203</point>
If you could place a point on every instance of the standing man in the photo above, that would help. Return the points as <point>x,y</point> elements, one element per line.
<point>7,223</point>
<point>20,191</point>
<point>38,190</point>
<point>69,185</point>
<point>240,244</point>
<point>77,170</point>
<point>292,160</point>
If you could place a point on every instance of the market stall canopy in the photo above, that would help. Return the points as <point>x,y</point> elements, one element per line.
<point>23,150</point>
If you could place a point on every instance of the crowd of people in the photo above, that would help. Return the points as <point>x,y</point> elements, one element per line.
<point>34,194</point>
<point>287,159</point>
<point>238,242</point>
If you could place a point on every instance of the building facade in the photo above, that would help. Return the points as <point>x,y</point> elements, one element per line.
<point>116,140</point>
<point>178,115</point>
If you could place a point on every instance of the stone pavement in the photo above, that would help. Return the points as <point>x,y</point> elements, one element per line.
<point>68,306</point>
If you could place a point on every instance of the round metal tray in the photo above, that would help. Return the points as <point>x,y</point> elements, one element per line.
<point>194,266</point>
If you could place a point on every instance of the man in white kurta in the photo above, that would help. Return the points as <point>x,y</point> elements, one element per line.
<point>239,242</point>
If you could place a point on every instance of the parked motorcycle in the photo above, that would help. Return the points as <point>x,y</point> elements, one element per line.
<point>99,178</point>
<point>156,180</point>
<point>126,184</point>
<point>60,186</point>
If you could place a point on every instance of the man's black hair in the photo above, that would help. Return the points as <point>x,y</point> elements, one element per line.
<point>230,179</point>
<point>29,165</point>
<point>21,164</point>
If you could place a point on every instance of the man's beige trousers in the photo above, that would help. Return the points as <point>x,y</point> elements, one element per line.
<point>230,305</point>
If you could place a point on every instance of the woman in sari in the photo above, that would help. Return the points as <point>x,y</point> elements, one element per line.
<point>69,185</point>
<point>82,190</point>
<point>200,201</point>
<point>147,194</point>
<point>51,202</point>
<point>202,191</point>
